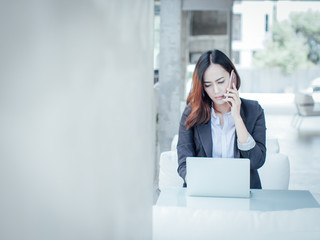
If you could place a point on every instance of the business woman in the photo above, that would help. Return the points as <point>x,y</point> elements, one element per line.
<point>217,122</point>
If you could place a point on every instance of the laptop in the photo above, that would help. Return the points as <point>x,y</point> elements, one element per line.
<point>218,177</point>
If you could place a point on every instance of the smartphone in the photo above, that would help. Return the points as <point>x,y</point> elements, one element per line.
<point>232,80</point>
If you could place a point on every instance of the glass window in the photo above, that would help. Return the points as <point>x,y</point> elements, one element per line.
<point>209,23</point>
<point>236,27</point>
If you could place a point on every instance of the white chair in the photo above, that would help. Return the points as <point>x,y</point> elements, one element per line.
<point>274,174</point>
<point>306,105</point>
<point>168,175</point>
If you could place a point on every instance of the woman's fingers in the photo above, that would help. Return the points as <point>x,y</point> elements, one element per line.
<point>229,99</point>
<point>232,90</point>
<point>232,95</point>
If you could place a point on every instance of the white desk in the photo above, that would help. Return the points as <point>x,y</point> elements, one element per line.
<point>260,200</point>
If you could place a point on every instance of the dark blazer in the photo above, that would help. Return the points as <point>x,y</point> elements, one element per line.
<point>197,141</point>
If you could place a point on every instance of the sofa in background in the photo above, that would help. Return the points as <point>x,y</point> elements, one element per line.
<point>274,174</point>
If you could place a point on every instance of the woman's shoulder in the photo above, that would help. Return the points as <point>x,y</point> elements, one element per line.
<point>250,105</point>
<point>187,109</point>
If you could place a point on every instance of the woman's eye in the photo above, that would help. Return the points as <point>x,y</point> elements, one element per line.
<point>207,85</point>
<point>221,82</point>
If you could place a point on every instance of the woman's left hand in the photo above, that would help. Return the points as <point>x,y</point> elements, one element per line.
<point>232,96</point>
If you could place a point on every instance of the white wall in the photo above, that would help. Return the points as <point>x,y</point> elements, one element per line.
<point>253,23</point>
<point>253,32</point>
<point>76,119</point>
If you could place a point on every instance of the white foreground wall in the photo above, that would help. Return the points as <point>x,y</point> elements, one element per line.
<point>76,119</point>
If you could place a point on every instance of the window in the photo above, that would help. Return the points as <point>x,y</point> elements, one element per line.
<point>209,23</point>
<point>236,57</point>
<point>267,23</point>
<point>236,27</point>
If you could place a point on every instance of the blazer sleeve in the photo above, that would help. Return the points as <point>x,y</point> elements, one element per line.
<point>185,146</point>
<point>257,154</point>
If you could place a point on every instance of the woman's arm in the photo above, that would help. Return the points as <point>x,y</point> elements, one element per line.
<point>233,97</point>
<point>185,146</point>
<point>257,154</point>
<point>256,138</point>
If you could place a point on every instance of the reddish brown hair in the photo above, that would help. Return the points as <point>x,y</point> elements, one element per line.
<point>198,99</point>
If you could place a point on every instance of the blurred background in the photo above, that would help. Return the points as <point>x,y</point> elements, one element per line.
<point>91,93</point>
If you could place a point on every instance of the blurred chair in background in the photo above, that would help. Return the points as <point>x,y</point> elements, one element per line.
<point>306,107</point>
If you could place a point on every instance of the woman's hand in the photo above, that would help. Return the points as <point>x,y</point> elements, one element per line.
<point>232,96</point>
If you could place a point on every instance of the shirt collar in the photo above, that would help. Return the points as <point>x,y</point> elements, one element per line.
<point>214,116</point>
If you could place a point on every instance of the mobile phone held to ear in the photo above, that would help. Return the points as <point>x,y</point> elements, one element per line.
<point>232,80</point>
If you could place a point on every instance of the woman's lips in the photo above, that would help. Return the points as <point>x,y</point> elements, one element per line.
<point>219,97</point>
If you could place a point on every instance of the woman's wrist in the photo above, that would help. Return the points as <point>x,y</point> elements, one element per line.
<point>242,132</point>
<point>237,119</point>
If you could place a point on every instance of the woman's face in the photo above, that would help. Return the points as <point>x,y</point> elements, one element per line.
<point>216,81</point>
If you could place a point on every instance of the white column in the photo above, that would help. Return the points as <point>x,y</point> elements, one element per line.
<point>77,128</point>
<point>170,72</point>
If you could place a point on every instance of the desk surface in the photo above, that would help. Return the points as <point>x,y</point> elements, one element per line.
<point>260,200</point>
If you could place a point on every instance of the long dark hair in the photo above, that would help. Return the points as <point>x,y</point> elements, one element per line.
<point>198,98</point>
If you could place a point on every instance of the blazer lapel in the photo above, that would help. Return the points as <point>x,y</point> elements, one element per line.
<point>235,147</point>
<point>205,137</point>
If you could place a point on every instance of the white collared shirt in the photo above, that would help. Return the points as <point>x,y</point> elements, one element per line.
<point>223,137</point>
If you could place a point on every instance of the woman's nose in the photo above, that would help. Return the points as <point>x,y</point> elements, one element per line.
<point>215,88</point>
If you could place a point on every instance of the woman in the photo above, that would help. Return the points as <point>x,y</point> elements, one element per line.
<point>217,122</point>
